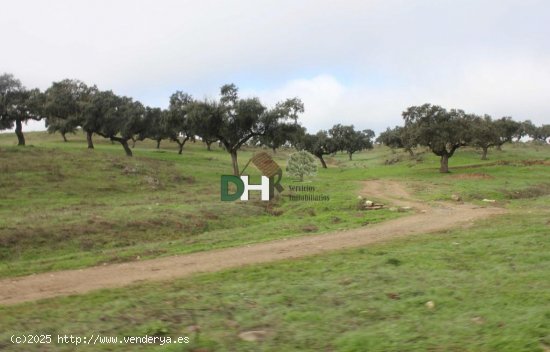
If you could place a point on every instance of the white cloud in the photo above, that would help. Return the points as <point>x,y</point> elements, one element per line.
<point>517,88</point>
<point>351,61</point>
<point>321,95</point>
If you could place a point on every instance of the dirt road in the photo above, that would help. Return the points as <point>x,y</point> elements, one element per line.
<point>424,219</point>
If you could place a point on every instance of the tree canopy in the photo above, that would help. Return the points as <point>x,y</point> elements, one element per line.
<point>114,117</point>
<point>177,123</point>
<point>319,144</point>
<point>234,120</point>
<point>398,137</point>
<point>440,130</point>
<point>506,129</point>
<point>18,105</point>
<point>64,104</point>
<point>347,139</point>
<point>484,134</point>
<point>154,125</point>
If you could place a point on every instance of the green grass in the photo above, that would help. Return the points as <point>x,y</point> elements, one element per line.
<point>490,287</point>
<point>67,207</point>
<point>489,283</point>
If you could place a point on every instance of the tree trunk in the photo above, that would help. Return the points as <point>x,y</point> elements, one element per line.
<point>134,142</point>
<point>124,143</point>
<point>499,147</point>
<point>444,168</point>
<point>158,143</point>
<point>19,132</point>
<point>322,161</point>
<point>411,153</point>
<point>484,154</point>
<point>350,155</point>
<point>235,163</point>
<point>89,139</point>
<point>181,144</point>
<point>208,144</point>
<point>63,135</point>
<point>127,149</point>
<point>274,150</point>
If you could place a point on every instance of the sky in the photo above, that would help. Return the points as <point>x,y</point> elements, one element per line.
<point>351,62</point>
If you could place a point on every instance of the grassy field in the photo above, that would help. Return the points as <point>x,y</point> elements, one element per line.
<point>66,207</point>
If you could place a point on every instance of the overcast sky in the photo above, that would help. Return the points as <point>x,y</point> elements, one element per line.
<point>351,62</point>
